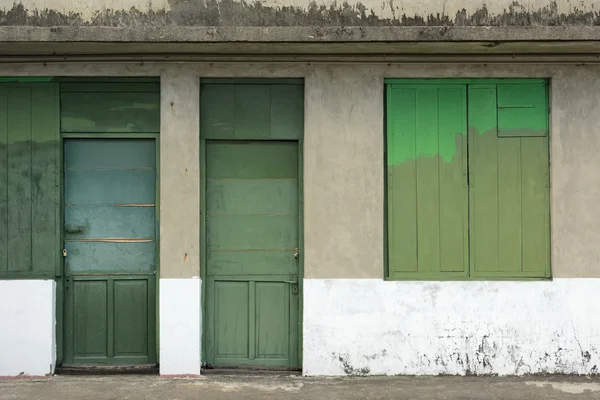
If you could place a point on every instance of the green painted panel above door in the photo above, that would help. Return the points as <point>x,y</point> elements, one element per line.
<point>110,107</point>
<point>253,111</point>
<point>30,176</point>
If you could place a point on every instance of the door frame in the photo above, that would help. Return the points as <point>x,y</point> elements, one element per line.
<point>61,299</point>
<point>203,237</point>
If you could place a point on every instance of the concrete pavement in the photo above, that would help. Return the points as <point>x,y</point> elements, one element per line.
<point>218,387</point>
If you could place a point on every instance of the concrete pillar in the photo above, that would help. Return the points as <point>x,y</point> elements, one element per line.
<point>180,284</point>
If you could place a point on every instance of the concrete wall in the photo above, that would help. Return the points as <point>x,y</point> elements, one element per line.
<point>354,322</point>
<point>27,330</point>
<point>297,13</point>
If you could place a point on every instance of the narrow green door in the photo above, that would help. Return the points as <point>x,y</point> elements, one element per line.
<point>110,251</point>
<point>252,253</point>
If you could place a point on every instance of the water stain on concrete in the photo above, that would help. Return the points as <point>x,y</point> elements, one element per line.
<point>242,13</point>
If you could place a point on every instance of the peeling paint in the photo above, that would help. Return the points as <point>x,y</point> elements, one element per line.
<point>294,13</point>
<point>469,328</point>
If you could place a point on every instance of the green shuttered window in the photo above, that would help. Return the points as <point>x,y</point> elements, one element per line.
<point>467,180</point>
<point>29,181</point>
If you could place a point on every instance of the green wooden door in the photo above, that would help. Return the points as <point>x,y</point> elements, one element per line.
<point>252,245</point>
<point>110,242</point>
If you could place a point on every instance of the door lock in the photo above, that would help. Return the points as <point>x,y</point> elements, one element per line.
<point>296,254</point>
<point>294,286</point>
<point>64,252</point>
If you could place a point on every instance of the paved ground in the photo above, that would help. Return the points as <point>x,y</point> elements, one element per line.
<point>290,387</point>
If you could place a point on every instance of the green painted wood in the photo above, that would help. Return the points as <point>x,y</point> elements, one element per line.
<point>91,318</point>
<point>110,238</point>
<point>535,198</point>
<point>248,196</point>
<point>45,171</point>
<point>4,210</point>
<point>19,180</point>
<point>251,238</point>
<point>272,320</point>
<point>124,154</point>
<point>412,82</point>
<point>510,183</point>
<point>95,86</point>
<point>110,258</point>
<point>131,317</point>
<point>110,187</point>
<point>103,222</point>
<point>246,262</point>
<point>522,110</point>
<point>252,160</point>
<point>231,319</point>
<point>483,164</point>
<point>426,164</point>
<point>287,111</point>
<point>251,232</point>
<point>251,111</point>
<point>118,111</point>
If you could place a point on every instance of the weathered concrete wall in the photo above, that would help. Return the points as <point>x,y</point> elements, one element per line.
<point>343,260</point>
<point>298,13</point>
<point>457,328</point>
<point>27,330</point>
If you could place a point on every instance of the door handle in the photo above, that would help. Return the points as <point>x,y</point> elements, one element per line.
<point>292,282</point>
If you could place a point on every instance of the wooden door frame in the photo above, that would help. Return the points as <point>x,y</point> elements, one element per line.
<point>61,300</point>
<point>203,237</point>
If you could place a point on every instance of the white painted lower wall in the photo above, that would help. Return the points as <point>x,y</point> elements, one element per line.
<point>180,326</point>
<point>374,327</point>
<point>27,327</point>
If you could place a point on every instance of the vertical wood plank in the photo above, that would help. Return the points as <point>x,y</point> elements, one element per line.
<point>428,199</point>
<point>453,205</point>
<point>19,179</point>
<point>45,195</point>
<point>536,212</point>
<point>483,164</point>
<point>252,112</point>
<point>252,325</point>
<point>3,180</point>
<point>287,111</point>
<point>509,204</point>
<point>402,181</point>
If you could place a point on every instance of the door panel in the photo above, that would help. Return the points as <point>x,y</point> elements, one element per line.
<point>110,239</point>
<point>251,241</point>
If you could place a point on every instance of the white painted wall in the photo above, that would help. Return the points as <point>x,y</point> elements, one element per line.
<point>370,326</point>
<point>27,330</point>
<point>180,326</point>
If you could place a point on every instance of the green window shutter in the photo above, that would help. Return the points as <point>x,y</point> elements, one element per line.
<point>29,170</point>
<point>426,193</point>
<point>253,111</point>
<point>509,183</point>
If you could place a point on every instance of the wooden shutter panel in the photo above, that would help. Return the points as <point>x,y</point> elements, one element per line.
<point>427,195</point>
<point>522,110</point>
<point>509,190</point>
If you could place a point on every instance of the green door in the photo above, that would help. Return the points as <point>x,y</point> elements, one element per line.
<point>110,251</point>
<point>252,253</point>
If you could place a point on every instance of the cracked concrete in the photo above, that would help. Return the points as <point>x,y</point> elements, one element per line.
<point>293,387</point>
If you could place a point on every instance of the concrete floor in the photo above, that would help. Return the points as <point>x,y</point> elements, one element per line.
<point>295,387</point>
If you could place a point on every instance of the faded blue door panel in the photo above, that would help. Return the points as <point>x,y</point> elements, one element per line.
<point>110,239</point>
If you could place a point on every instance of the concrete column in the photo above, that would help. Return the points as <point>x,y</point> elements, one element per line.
<point>343,173</point>
<point>180,284</point>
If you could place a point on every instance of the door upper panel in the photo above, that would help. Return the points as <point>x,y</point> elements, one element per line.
<point>110,217</point>
<point>252,207</point>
